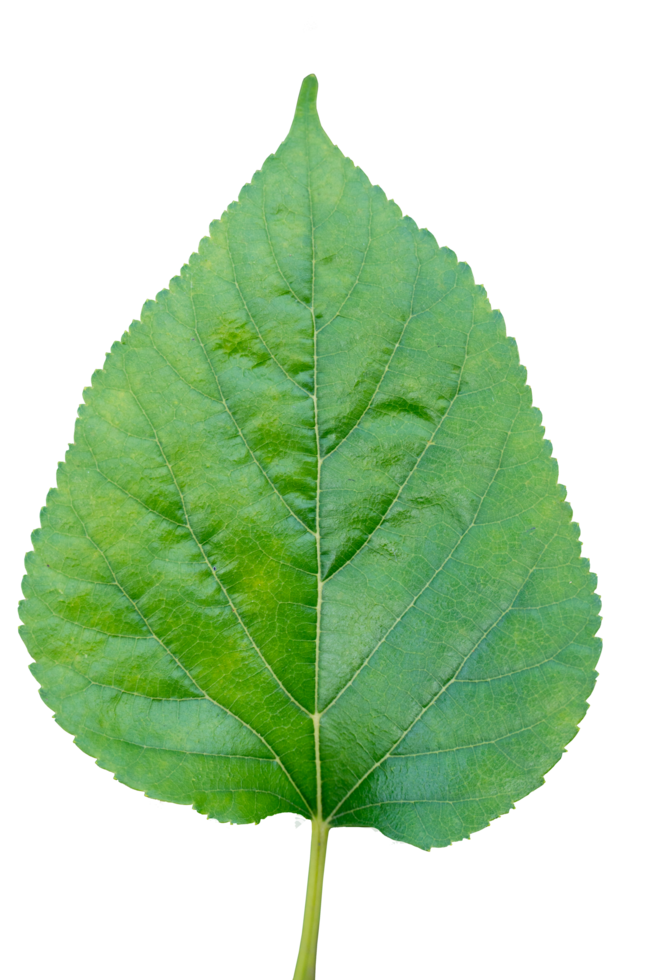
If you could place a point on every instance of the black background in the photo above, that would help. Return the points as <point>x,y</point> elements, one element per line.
<point>135,139</point>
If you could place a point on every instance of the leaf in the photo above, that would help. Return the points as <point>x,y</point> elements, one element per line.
<point>308,551</point>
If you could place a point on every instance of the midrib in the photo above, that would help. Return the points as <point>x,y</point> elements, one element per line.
<point>316,714</point>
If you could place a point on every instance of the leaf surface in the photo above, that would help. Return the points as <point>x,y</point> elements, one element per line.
<point>308,551</point>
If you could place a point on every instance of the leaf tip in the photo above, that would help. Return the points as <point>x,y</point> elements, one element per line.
<point>306,103</point>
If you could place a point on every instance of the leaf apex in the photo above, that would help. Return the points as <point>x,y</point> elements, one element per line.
<point>306,103</point>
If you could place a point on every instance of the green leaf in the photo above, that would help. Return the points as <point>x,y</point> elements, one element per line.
<point>308,551</point>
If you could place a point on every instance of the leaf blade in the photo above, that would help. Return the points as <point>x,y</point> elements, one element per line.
<point>309,494</point>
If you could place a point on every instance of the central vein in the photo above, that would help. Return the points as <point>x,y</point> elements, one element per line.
<point>316,713</point>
